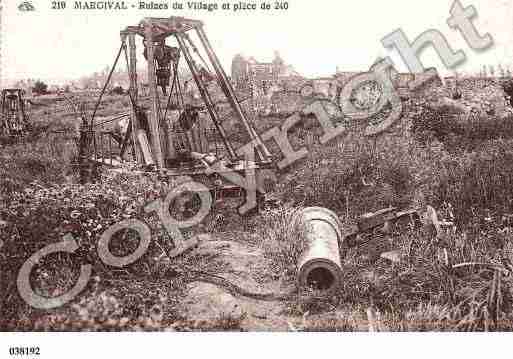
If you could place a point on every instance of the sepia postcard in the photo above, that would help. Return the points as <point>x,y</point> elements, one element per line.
<point>226,166</point>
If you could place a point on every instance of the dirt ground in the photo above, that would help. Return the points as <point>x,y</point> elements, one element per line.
<point>207,302</point>
<point>247,268</point>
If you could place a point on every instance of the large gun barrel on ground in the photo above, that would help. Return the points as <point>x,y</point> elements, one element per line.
<point>320,266</point>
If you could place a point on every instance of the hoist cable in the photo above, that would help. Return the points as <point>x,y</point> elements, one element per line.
<point>123,46</point>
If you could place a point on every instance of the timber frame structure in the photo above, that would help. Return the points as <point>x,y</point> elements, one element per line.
<point>14,120</point>
<point>151,133</point>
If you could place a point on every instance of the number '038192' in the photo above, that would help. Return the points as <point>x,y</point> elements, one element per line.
<point>24,351</point>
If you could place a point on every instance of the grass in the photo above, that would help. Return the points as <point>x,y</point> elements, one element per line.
<point>463,168</point>
<point>281,240</point>
<point>421,293</point>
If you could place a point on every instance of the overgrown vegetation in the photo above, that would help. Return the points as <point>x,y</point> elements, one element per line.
<point>464,169</point>
<point>458,281</point>
<point>40,87</point>
<point>282,240</point>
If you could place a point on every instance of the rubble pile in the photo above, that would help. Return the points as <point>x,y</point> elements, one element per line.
<point>485,96</point>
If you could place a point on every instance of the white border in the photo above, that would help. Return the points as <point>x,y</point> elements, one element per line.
<point>260,345</point>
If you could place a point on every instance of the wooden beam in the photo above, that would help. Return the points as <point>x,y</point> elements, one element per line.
<point>153,117</point>
<point>132,73</point>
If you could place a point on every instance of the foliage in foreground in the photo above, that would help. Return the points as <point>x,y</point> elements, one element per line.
<point>424,291</point>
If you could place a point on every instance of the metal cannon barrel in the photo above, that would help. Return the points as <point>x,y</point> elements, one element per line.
<point>319,266</point>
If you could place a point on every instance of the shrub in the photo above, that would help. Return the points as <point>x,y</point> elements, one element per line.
<point>46,160</point>
<point>118,90</point>
<point>458,131</point>
<point>479,181</point>
<point>356,175</point>
<point>40,87</point>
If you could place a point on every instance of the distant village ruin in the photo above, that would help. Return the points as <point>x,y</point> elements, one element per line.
<point>264,83</point>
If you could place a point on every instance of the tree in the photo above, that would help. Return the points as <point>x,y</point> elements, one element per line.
<point>40,87</point>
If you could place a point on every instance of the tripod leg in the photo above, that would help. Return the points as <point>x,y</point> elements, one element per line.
<point>127,138</point>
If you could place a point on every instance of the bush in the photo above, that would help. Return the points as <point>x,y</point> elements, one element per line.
<point>358,175</point>
<point>354,176</point>
<point>457,131</point>
<point>118,90</point>
<point>38,214</point>
<point>40,87</point>
<point>45,161</point>
<point>479,182</point>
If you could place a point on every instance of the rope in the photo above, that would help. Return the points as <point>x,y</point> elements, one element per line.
<point>123,46</point>
<point>234,289</point>
<point>195,49</point>
<point>111,120</point>
<point>171,91</point>
<point>176,81</point>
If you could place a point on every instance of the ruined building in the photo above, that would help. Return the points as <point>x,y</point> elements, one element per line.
<point>249,74</point>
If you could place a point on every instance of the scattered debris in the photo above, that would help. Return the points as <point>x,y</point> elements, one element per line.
<point>393,256</point>
<point>429,218</point>
<point>383,219</point>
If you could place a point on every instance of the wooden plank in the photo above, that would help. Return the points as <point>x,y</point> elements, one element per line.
<point>374,219</point>
<point>154,113</point>
<point>132,73</point>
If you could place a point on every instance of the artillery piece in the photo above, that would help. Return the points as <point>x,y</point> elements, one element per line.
<point>169,136</point>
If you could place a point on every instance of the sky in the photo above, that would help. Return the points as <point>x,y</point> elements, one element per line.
<point>315,37</point>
